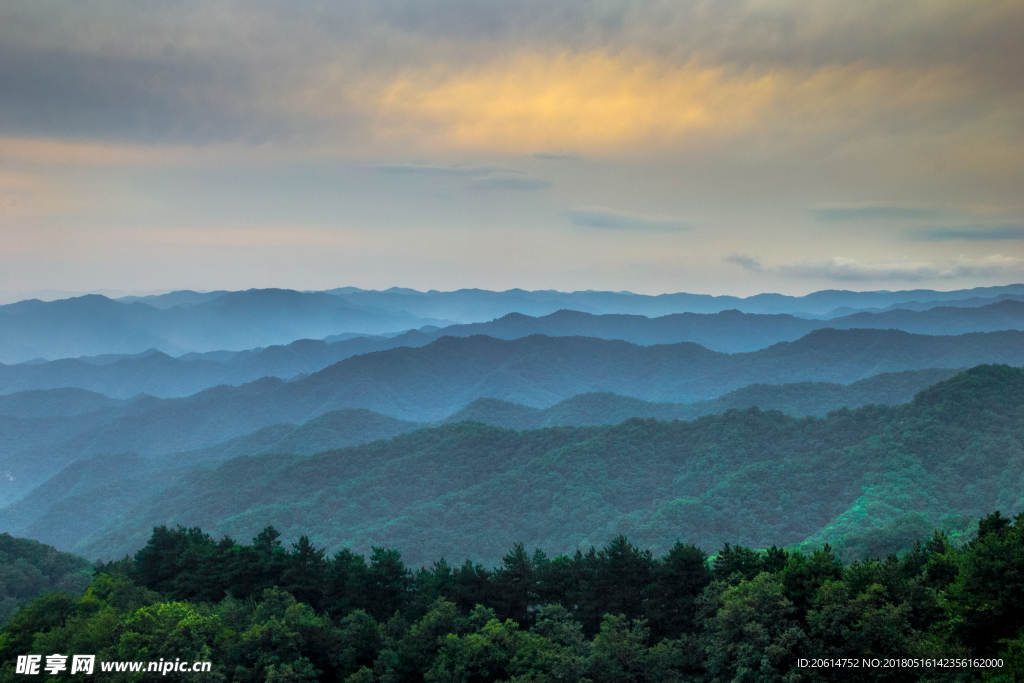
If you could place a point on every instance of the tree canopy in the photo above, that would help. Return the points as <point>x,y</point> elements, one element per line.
<point>266,612</point>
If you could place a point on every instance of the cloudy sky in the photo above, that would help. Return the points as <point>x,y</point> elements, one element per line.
<point>718,146</point>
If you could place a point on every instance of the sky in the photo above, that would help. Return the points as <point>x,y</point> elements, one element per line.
<point>713,146</point>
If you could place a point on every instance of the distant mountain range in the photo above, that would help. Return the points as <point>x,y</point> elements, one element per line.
<point>728,331</point>
<point>972,302</point>
<point>94,324</point>
<point>126,427</point>
<point>160,375</point>
<point>475,305</point>
<point>185,322</point>
<point>757,477</point>
<point>431,383</point>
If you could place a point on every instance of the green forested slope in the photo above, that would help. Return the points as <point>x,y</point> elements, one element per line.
<point>801,399</point>
<point>754,477</point>
<point>29,568</point>
<point>264,612</point>
<point>74,504</point>
<point>430,383</point>
<point>70,508</point>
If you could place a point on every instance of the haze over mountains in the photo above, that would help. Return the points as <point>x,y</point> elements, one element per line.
<point>539,371</point>
<point>432,382</point>
<point>146,436</point>
<point>472,305</point>
<point>161,375</point>
<point>162,431</point>
<point>94,324</point>
<point>758,477</point>
<point>405,386</point>
<point>184,322</point>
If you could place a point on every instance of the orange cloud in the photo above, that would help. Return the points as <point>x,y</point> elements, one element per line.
<point>588,101</point>
<point>599,102</point>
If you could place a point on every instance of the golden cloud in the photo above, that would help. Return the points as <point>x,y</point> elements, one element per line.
<point>599,102</point>
<point>588,101</point>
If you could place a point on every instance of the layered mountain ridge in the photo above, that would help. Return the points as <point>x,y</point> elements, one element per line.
<point>161,375</point>
<point>598,421</point>
<point>759,477</point>
<point>186,322</point>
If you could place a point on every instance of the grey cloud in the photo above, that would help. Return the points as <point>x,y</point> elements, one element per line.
<point>751,263</point>
<point>970,233</point>
<point>546,156</point>
<point>84,96</point>
<point>493,177</point>
<point>574,23</point>
<point>745,33</point>
<point>607,219</point>
<point>873,213</point>
<point>71,71</point>
<point>427,169</point>
<point>514,184</point>
<point>219,70</point>
<point>851,270</point>
<point>841,269</point>
<point>848,270</point>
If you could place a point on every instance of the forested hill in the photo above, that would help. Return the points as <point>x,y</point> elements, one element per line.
<point>107,477</point>
<point>753,477</point>
<point>43,432</point>
<point>29,568</point>
<point>801,399</point>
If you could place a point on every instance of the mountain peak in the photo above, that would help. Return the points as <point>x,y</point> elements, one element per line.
<point>978,388</point>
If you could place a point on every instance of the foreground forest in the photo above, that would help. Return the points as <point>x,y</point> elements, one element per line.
<point>262,612</point>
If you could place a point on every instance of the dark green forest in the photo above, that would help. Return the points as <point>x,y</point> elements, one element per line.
<point>29,568</point>
<point>264,612</point>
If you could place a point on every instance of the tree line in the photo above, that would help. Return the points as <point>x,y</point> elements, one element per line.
<point>266,612</point>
